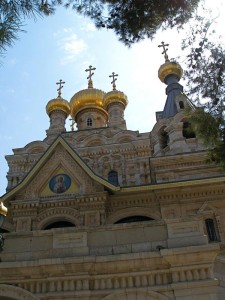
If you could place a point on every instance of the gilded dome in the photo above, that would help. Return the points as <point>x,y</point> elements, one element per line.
<point>58,104</point>
<point>115,96</point>
<point>170,68</point>
<point>88,98</point>
<point>3,209</point>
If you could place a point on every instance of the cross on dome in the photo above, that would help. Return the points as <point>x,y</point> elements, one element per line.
<point>90,83</point>
<point>113,80</point>
<point>72,124</point>
<point>163,45</point>
<point>60,83</point>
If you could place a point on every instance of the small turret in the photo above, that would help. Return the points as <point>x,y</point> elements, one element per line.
<point>115,104</point>
<point>58,110</point>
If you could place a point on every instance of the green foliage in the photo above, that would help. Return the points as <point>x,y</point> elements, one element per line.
<point>134,20</point>
<point>205,68</point>
<point>12,15</point>
<point>10,25</point>
<point>210,127</point>
<point>205,75</point>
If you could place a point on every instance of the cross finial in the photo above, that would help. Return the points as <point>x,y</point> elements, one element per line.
<point>164,50</point>
<point>90,83</point>
<point>72,124</point>
<point>113,80</point>
<point>60,83</point>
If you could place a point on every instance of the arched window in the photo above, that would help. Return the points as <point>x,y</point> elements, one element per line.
<point>133,219</point>
<point>188,132</point>
<point>211,231</point>
<point>181,104</point>
<point>113,177</point>
<point>59,224</point>
<point>163,138</point>
<point>89,122</point>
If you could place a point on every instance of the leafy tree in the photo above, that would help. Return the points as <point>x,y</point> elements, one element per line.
<point>12,15</point>
<point>132,20</point>
<point>205,75</point>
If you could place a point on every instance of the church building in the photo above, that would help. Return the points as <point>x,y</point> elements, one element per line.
<point>102,212</point>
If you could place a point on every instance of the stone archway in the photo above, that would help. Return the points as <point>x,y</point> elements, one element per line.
<point>128,212</point>
<point>10,292</point>
<point>134,294</point>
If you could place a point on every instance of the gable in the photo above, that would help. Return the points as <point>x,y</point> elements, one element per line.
<point>62,166</point>
<point>61,175</point>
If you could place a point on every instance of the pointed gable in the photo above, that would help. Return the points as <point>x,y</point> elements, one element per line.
<point>59,166</point>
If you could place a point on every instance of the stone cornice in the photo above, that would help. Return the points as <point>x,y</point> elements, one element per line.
<point>25,208</point>
<point>172,185</point>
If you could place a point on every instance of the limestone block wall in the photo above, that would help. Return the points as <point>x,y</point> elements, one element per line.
<point>96,263</point>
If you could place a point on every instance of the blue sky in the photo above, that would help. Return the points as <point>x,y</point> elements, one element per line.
<point>62,47</point>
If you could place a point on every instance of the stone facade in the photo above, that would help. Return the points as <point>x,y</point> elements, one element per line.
<point>106,213</point>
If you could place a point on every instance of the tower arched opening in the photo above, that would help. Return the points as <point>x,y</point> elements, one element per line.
<point>163,138</point>
<point>188,131</point>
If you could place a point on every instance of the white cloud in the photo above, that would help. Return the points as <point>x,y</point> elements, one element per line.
<point>61,32</point>
<point>72,46</point>
<point>89,27</point>
<point>66,30</point>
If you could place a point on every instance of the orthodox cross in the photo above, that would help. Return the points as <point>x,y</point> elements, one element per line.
<point>60,87</point>
<point>72,124</point>
<point>164,50</point>
<point>113,80</point>
<point>90,83</point>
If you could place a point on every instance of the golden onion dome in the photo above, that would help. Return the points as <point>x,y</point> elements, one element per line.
<point>115,97</point>
<point>59,104</point>
<point>3,209</point>
<point>170,68</point>
<point>88,98</point>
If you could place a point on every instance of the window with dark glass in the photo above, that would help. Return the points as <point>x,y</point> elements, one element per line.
<point>113,177</point>
<point>59,224</point>
<point>133,219</point>
<point>211,231</point>
<point>89,122</point>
